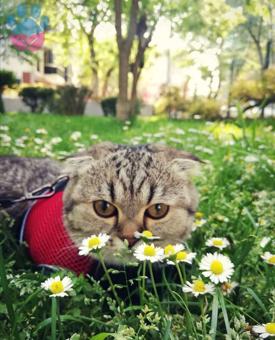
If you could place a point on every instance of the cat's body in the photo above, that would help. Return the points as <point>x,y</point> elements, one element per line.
<point>114,189</point>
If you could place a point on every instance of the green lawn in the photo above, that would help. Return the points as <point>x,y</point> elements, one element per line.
<point>236,187</point>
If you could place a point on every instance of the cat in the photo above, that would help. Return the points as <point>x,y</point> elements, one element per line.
<point>114,189</point>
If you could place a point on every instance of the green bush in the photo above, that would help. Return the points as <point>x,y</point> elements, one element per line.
<point>7,79</point>
<point>70,100</point>
<point>36,98</point>
<point>171,100</point>
<point>245,90</point>
<point>206,108</point>
<point>109,106</point>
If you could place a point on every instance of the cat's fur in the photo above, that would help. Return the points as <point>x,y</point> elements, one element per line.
<point>132,178</point>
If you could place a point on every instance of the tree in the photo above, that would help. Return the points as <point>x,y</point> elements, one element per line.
<point>142,19</point>
<point>7,79</point>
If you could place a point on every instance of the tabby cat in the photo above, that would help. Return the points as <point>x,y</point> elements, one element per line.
<point>115,189</point>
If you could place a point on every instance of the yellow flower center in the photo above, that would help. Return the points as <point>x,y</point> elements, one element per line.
<point>218,242</point>
<point>199,215</point>
<point>216,267</point>
<point>181,256</point>
<point>147,233</point>
<point>149,251</point>
<point>169,250</point>
<point>93,242</point>
<point>56,287</point>
<point>270,327</point>
<point>271,260</point>
<point>199,286</point>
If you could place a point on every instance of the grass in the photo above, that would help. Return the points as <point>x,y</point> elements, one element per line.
<point>237,198</point>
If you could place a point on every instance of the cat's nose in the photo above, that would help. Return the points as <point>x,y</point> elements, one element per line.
<point>131,241</point>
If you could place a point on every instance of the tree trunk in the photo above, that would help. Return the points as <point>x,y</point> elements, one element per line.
<point>122,106</point>
<point>106,81</point>
<point>124,48</point>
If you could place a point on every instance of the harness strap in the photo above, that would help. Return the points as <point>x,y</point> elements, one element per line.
<point>46,191</point>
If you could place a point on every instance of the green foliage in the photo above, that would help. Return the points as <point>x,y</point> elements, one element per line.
<point>36,97</point>
<point>262,91</point>
<point>109,106</point>
<point>171,100</point>
<point>206,108</point>
<point>7,79</point>
<point>70,100</point>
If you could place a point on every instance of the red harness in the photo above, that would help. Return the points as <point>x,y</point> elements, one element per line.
<point>47,238</point>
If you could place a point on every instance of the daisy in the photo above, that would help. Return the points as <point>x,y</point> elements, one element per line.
<point>149,252</point>
<point>266,330</point>
<point>93,243</point>
<point>75,135</point>
<point>228,287</point>
<point>146,235</point>
<point>218,242</point>
<point>265,240</point>
<point>268,258</point>
<point>217,267</point>
<point>183,256</point>
<point>57,286</point>
<point>198,287</point>
<point>171,250</point>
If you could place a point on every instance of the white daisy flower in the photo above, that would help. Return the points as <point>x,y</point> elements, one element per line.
<point>75,135</point>
<point>57,286</point>
<point>38,141</point>
<point>218,242</point>
<point>93,243</point>
<point>266,330</point>
<point>149,252</point>
<point>268,258</point>
<point>228,287</point>
<point>182,256</point>
<point>146,235</point>
<point>94,137</point>
<point>41,131</point>
<point>4,128</point>
<point>171,250</point>
<point>217,267</point>
<point>265,240</point>
<point>56,140</point>
<point>198,287</point>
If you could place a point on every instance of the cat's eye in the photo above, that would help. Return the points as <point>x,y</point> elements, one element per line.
<point>157,211</point>
<point>104,209</point>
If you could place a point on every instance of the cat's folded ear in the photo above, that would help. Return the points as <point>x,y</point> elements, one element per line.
<point>178,161</point>
<point>97,151</point>
<point>82,161</point>
<point>72,166</point>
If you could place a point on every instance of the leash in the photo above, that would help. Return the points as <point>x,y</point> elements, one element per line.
<point>44,192</point>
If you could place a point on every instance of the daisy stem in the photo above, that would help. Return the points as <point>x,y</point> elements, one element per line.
<point>108,277</point>
<point>214,317</point>
<point>182,280</point>
<point>154,285</point>
<point>53,318</point>
<point>224,312</point>
<point>143,281</point>
<point>6,295</point>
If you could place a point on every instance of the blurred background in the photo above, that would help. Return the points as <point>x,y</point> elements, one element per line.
<point>201,59</point>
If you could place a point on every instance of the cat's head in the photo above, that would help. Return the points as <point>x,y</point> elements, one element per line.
<point>121,189</point>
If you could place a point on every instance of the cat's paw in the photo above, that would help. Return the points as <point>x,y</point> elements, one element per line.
<point>27,27</point>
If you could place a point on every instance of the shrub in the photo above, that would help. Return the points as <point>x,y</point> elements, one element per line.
<point>206,108</point>
<point>70,100</point>
<point>36,97</point>
<point>109,106</point>
<point>171,100</point>
<point>7,79</point>
<point>246,90</point>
